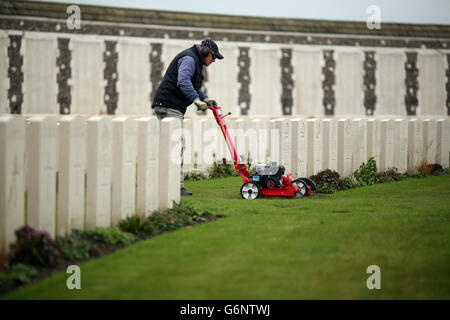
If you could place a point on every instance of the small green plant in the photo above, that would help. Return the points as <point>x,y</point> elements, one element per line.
<point>167,221</point>
<point>76,246</point>
<point>221,170</point>
<point>19,274</point>
<point>195,175</point>
<point>181,214</point>
<point>390,175</point>
<point>34,248</point>
<point>137,225</point>
<point>367,172</point>
<point>109,237</point>
<point>347,183</point>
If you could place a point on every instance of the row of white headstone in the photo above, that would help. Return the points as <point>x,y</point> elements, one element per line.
<point>82,172</point>
<point>307,146</point>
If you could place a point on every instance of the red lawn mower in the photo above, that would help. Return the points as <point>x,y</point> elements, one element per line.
<point>268,181</point>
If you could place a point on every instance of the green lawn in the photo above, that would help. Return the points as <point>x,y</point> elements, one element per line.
<point>312,248</point>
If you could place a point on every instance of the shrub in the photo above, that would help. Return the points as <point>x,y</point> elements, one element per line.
<point>437,169</point>
<point>185,209</point>
<point>179,215</point>
<point>195,175</point>
<point>347,183</point>
<point>108,237</point>
<point>19,274</point>
<point>33,248</point>
<point>76,246</point>
<point>367,172</point>
<point>167,221</point>
<point>327,181</point>
<point>137,225</point>
<point>390,175</point>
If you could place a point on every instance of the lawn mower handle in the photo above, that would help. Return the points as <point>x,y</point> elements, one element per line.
<point>240,167</point>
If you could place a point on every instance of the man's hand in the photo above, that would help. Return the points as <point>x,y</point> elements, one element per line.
<point>200,104</point>
<point>210,102</point>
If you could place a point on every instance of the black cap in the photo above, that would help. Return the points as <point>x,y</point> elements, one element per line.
<point>213,46</point>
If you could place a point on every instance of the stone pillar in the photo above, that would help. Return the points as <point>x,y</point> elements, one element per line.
<point>87,84</point>
<point>71,178</point>
<point>169,162</point>
<point>315,130</point>
<point>349,83</point>
<point>123,169</point>
<point>374,140</point>
<point>12,171</point>
<point>390,83</point>
<point>443,144</point>
<point>401,145</point>
<point>415,143</point>
<point>330,144</point>
<point>42,164</point>
<point>133,70</point>
<point>431,82</point>
<point>147,166</point>
<point>39,82</point>
<point>265,87</point>
<point>344,147</point>
<point>308,93</point>
<point>98,168</point>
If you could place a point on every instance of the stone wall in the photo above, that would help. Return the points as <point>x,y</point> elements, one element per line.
<point>295,69</point>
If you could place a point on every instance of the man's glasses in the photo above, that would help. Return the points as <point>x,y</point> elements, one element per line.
<point>213,55</point>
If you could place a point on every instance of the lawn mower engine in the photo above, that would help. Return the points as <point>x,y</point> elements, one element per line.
<point>269,176</point>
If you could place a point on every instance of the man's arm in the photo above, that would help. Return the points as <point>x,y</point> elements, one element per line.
<point>186,69</point>
<point>202,95</point>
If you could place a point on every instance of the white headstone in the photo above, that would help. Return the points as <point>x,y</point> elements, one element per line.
<point>315,130</point>
<point>401,145</point>
<point>42,165</point>
<point>71,178</point>
<point>387,145</point>
<point>169,162</point>
<point>123,169</point>
<point>415,144</point>
<point>12,172</point>
<point>443,145</point>
<point>98,168</point>
<point>344,147</point>
<point>147,166</point>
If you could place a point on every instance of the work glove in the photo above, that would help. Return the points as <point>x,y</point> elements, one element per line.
<point>201,105</point>
<point>210,102</point>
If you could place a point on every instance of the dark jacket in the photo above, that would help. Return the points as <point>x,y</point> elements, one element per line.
<point>169,94</point>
